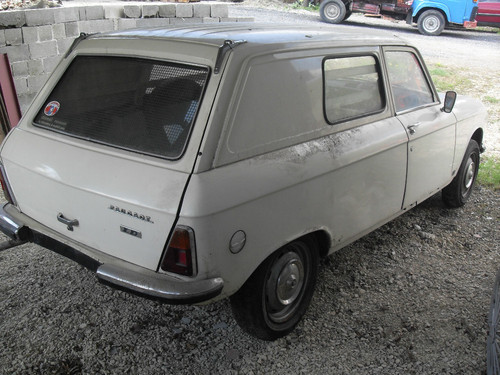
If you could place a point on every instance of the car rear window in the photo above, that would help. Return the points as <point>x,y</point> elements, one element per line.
<point>135,104</point>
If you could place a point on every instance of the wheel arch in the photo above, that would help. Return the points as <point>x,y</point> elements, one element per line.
<point>322,239</point>
<point>478,137</point>
<point>347,3</point>
<point>439,7</point>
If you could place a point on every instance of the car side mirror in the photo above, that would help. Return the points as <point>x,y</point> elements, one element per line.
<point>449,101</point>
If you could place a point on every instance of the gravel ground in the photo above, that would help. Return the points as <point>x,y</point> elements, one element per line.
<point>410,298</point>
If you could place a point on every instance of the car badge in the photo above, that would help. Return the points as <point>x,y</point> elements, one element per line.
<point>52,108</point>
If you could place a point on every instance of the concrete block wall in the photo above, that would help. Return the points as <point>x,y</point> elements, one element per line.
<point>36,39</point>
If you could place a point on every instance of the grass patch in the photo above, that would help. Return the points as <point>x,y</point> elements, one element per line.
<point>446,78</point>
<point>299,5</point>
<point>491,100</point>
<point>489,173</point>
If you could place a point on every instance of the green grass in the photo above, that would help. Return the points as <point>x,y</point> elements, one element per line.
<point>299,5</point>
<point>446,78</point>
<point>489,173</point>
<point>491,100</point>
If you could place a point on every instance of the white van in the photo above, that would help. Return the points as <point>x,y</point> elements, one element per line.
<point>197,163</point>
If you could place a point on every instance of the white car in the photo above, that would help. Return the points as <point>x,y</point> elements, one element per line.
<point>197,163</point>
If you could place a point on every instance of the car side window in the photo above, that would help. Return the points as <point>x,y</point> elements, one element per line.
<point>407,79</point>
<point>352,88</point>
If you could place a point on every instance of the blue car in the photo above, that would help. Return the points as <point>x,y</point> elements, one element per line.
<point>431,16</point>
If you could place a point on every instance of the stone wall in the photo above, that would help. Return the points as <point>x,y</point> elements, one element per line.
<point>34,40</point>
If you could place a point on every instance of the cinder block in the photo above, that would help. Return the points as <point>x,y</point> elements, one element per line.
<point>38,17</point>
<point>113,11</point>
<point>63,46</point>
<point>149,11</point>
<point>201,10</point>
<point>167,10</point>
<point>227,19</point>
<point>13,37</point>
<point>125,23</point>
<point>2,38</point>
<point>44,33</point>
<point>50,63</point>
<point>95,12</point>
<point>184,10</point>
<point>35,83</point>
<point>82,13</point>
<point>245,19</point>
<point>43,49</point>
<point>16,53</point>
<point>72,29</point>
<point>25,101</point>
<point>96,26</point>
<point>132,11</point>
<point>153,22</point>
<point>35,67</point>
<point>70,14</point>
<point>20,69</point>
<point>182,21</point>
<point>210,20</point>
<point>21,84</point>
<point>15,18</point>
<point>219,10</point>
<point>59,31</point>
<point>30,35</point>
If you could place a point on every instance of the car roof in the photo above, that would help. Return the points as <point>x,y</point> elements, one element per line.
<point>263,34</point>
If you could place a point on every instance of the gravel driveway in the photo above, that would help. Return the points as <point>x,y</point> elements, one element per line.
<point>410,298</point>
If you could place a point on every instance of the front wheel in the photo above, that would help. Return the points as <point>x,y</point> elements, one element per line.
<point>431,22</point>
<point>332,11</point>
<point>459,190</point>
<point>276,296</point>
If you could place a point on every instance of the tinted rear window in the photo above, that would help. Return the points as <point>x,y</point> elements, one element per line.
<point>135,104</point>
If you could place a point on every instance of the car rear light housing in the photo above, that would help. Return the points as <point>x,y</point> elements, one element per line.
<point>7,191</point>
<point>180,257</point>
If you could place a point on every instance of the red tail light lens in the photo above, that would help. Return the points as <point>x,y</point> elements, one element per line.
<point>5,186</point>
<point>180,252</point>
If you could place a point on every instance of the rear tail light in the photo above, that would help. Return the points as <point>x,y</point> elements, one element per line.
<point>7,191</point>
<point>180,252</point>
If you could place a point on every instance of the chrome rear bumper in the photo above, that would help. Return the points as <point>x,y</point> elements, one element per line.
<point>110,270</point>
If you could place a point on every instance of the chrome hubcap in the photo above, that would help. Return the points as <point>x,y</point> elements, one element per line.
<point>431,24</point>
<point>290,282</point>
<point>332,11</point>
<point>469,174</point>
<point>285,287</point>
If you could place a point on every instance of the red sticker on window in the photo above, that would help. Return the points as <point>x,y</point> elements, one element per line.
<point>52,108</point>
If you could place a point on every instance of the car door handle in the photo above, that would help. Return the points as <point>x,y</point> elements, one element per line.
<point>70,223</point>
<point>413,128</point>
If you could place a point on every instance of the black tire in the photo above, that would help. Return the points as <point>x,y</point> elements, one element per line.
<point>493,342</point>
<point>276,296</point>
<point>431,22</point>
<point>332,11</point>
<point>459,190</point>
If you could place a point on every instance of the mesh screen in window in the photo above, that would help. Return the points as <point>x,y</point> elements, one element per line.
<point>135,104</point>
<point>353,88</point>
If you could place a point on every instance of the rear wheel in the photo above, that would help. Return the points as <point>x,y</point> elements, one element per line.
<point>431,22</point>
<point>332,11</point>
<point>460,189</point>
<point>276,296</point>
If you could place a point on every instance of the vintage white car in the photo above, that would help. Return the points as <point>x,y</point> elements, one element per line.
<point>197,163</point>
